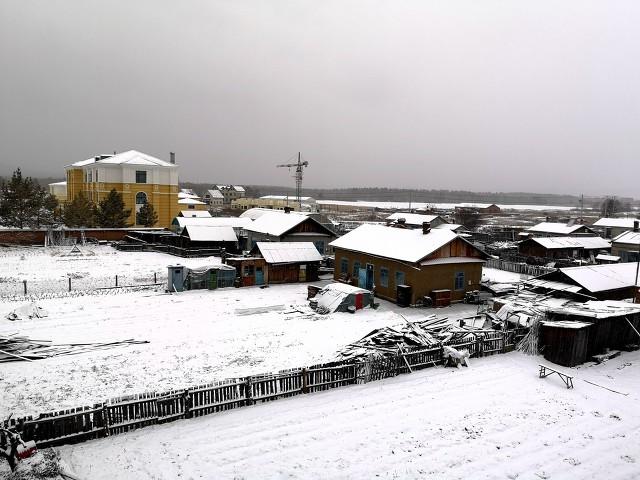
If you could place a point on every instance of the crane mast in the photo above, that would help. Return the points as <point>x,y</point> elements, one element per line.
<point>298,176</point>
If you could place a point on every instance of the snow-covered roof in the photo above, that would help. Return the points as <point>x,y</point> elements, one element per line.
<point>607,258</point>
<point>588,243</point>
<point>395,243</point>
<point>615,222</point>
<point>598,309</point>
<point>559,286</point>
<point>600,278</point>
<point>61,184</point>
<point>190,201</point>
<point>235,222</point>
<point>132,157</point>
<point>201,233</point>
<point>289,252</point>
<point>215,194</point>
<point>449,226</point>
<point>187,195</point>
<point>291,198</point>
<point>238,188</point>
<point>195,213</point>
<point>630,238</point>
<point>277,223</point>
<point>550,227</point>
<point>412,218</point>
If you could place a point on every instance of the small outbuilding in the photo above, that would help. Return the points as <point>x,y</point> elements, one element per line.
<point>340,297</point>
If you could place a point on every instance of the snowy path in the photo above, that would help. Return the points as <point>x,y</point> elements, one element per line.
<point>494,420</point>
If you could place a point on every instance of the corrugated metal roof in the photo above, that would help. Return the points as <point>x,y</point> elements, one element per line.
<point>600,278</point>
<point>289,252</point>
<point>198,233</point>
<point>588,243</point>
<point>629,238</point>
<point>559,286</point>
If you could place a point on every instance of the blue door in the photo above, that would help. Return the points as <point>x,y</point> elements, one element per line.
<point>362,277</point>
<point>259,276</point>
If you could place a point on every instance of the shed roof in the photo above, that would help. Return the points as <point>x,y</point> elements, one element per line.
<point>554,243</point>
<point>199,233</point>
<point>195,214</point>
<point>629,238</point>
<point>551,227</point>
<point>289,252</point>
<point>278,223</point>
<point>131,157</point>
<point>412,218</point>
<point>395,243</point>
<point>615,222</point>
<point>600,278</point>
<point>235,222</point>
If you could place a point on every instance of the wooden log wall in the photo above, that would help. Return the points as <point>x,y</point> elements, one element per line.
<point>119,415</point>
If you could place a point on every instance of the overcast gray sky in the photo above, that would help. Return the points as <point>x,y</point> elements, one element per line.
<point>482,95</point>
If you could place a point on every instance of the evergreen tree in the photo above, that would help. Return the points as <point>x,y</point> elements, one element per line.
<point>81,212</point>
<point>147,215</point>
<point>111,212</point>
<point>24,203</point>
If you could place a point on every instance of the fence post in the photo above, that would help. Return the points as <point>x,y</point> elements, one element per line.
<point>479,345</point>
<point>69,283</point>
<point>305,381</point>
<point>25,286</point>
<point>105,419</point>
<point>116,280</point>
<point>155,277</point>
<point>187,403</point>
<point>248,392</point>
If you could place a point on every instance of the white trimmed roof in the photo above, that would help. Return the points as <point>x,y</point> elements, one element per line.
<point>132,157</point>
<point>615,222</point>
<point>277,223</point>
<point>396,243</point>
<point>588,243</point>
<point>631,238</point>
<point>235,222</point>
<point>289,252</point>
<point>195,214</point>
<point>599,278</point>
<point>199,233</point>
<point>412,218</point>
<point>550,227</point>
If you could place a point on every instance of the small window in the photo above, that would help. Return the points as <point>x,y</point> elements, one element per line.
<point>89,177</point>
<point>459,281</point>
<point>356,269</point>
<point>141,198</point>
<point>344,265</point>
<point>399,278</point>
<point>96,176</point>
<point>191,207</point>
<point>384,277</point>
<point>141,176</point>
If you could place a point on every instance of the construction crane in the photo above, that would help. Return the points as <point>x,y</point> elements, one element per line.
<point>298,176</point>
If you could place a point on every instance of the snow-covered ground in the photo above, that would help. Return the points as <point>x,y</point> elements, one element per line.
<point>495,420</point>
<point>443,206</point>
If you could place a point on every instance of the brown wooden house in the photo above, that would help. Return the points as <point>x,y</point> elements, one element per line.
<point>424,260</point>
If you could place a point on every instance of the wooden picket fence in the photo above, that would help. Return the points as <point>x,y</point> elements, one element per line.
<point>518,267</point>
<point>120,415</point>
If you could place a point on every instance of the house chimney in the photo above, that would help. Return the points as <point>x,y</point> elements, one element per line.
<point>426,227</point>
<point>95,159</point>
<point>635,225</point>
<point>172,158</point>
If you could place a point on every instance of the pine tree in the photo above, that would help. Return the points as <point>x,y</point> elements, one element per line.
<point>147,215</point>
<point>81,212</point>
<point>111,212</point>
<point>24,203</point>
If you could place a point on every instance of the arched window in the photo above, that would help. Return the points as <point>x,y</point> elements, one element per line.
<point>141,198</point>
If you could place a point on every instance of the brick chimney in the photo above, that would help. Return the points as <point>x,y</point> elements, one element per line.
<point>172,158</point>
<point>426,227</point>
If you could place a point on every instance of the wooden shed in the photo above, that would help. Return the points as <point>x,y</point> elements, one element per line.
<point>565,342</point>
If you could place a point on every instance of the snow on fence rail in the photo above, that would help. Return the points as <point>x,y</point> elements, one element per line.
<point>36,288</point>
<point>120,415</point>
<point>516,267</point>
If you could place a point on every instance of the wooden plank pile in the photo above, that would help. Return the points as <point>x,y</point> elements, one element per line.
<point>387,341</point>
<point>15,348</point>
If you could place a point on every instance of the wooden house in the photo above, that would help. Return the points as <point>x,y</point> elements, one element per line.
<point>563,247</point>
<point>423,260</point>
<point>206,237</point>
<point>627,246</point>
<point>289,227</point>
<point>612,227</point>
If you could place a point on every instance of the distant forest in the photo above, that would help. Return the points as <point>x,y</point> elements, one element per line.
<point>423,196</point>
<point>406,195</point>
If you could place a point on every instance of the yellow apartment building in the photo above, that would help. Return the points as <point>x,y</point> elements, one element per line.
<point>139,177</point>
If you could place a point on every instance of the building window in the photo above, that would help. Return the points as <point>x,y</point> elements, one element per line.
<point>459,281</point>
<point>399,278</point>
<point>344,265</point>
<point>141,198</point>
<point>191,207</point>
<point>141,176</point>
<point>320,246</point>
<point>356,269</point>
<point>89,176</point>
<point>96,176</point>
<point>384,277</point>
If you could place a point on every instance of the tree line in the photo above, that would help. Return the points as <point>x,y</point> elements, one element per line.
<point>26,204</point>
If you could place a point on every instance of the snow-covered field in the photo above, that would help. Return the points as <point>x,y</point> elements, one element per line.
<point>495,420</point>
<point>443,206</point>
<point>195,337</point>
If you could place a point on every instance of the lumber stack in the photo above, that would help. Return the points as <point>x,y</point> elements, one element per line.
<point>15,348</point>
